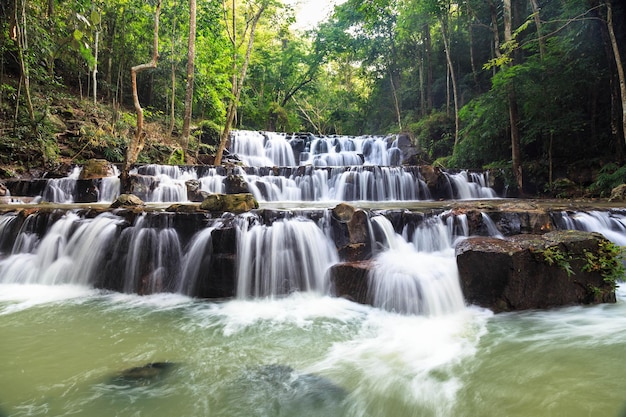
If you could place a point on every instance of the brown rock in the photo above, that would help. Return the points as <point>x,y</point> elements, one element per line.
<point>234,203</point>
<point>127,200</point>
<point>350,280</point>
<point>532,271</point>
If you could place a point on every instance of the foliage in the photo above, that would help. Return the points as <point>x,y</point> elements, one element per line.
<point>611,175</point>
<point>553,256</point>
<point>609,261</point>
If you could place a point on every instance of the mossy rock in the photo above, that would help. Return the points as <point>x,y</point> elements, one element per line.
<point>234,203</point>
<point>96,168</point>
<point>127,200</point>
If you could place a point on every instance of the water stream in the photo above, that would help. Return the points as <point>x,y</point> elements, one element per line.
<point>65,345</point>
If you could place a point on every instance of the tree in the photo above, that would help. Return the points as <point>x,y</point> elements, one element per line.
<point>191,54</point>
<point>137,142</point>
<point>255,12</point>
<point>618,63</point>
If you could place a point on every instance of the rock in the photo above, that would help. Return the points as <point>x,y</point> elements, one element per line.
<point>618,193</point>
<point>143,375</point>
<point>4,191</point>
<point>194,193</point>
<point>182,208</point>
<point>350,280</point>
<point>235,184</point>
<point>534,271</point>
<point>279,390</point>
<point>351,232</point>
<point>96,168</point>
<point>234,203</point>
<point>127,200</point>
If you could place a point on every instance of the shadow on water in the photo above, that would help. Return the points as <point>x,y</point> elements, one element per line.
<point>280,391</point>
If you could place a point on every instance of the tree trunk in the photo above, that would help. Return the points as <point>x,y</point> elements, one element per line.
<point>516,153</point>
<point>429,66</point>
<point>137,142</point>
<point>232,105</point>
<point>191,53</point>
<point>22,46</point>
<point>618,62</point>
<point>446,45</point>
<point>542,44</point>
<point>173,79</point>
<point>95,68</point>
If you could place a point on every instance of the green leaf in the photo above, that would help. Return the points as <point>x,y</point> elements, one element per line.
<point>95,18</point>
<point>78,35</point>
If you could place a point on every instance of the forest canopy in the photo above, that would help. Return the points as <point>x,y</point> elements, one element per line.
<point>534,87</point>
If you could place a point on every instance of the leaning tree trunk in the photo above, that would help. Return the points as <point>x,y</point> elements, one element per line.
<point>191,53</point>
<point>137,142</point>
<point>618,62</point>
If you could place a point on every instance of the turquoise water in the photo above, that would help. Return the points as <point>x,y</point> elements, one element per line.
<point>62,349</point>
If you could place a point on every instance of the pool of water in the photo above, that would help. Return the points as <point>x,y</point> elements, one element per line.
<point>64,351</point>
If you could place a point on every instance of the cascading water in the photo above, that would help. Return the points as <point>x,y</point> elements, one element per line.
<point>290,255</point>
<point>611,225</point>
<point>470,185</point>
<point>62,190</point>
<point>407,280</point>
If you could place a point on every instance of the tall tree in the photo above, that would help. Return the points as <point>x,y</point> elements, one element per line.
<point>191,55</point>
<point>256,10</point>
<point>618,63</point>
<point>514,119</point>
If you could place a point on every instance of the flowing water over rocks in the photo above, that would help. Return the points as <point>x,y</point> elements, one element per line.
<point>253,308</point>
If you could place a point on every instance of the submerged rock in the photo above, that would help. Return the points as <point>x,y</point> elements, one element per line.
<point>234,203</point>
<point>536,271</point>
<point>279,390</point>
<point>143,375</point>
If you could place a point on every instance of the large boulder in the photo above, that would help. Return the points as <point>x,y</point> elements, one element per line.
<point>351,232</point>
<point>96,168</point>
<point>537,271</point>
<point>350,280</point>
<point>234,203</point>
<point>127,200</point>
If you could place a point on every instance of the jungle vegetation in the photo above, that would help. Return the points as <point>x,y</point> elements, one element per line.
<point>533,87</point>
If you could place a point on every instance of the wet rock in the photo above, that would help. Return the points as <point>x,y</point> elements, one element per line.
<point>235,184</point>
<point>127,200</point>
<point>96,168</point>
<point>533,271</point>
<point>194,193</point>
<point>351,232</point>
<point>182,208</point>
<point>350,280</point>
<point>4,191</point>
<point>234,203</point>
<point>144,375</point>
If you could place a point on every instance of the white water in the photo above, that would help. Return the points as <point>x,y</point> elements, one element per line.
<point>409,281</point>
<point>288,256</point>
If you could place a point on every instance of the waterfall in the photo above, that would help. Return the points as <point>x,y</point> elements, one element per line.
<point>62,190</point>
<point>611,225</point>
<point>290,255</point>
<point>71,252</point>
<point>274,149</point>
<point>408,280</point>
<point>492,230</point>
<point>109,188</point>
<point>470,185</point>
